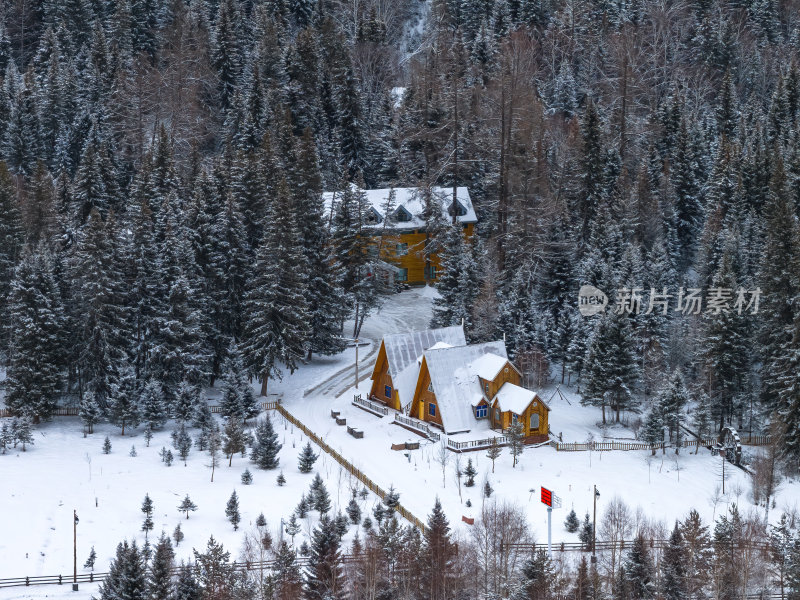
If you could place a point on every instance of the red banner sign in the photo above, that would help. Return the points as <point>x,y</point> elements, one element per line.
<point>547,497</point>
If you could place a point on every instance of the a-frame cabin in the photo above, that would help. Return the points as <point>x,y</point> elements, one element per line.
<point>397,364</point>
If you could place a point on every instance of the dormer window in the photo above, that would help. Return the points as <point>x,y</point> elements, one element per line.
<point>401,215</point>
<point>460,210</point>
<point>372,217</point>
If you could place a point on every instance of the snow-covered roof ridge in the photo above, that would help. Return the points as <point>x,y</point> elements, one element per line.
<point>515,398</point>
<point>409,202</point>
<point>488,366</point>
<point>455,383</point>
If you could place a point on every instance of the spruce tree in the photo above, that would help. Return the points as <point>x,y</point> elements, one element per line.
<point>11,241</point>
<point>35,315</point>
<point>674,568</point>
<point>160,585</point>
<point>124,410</point>
<point>307,459</point>
<point>354,511</point>
<point>438,555</point>
<point>89,564</point>
<point>572,523</point>
<point>147,509</point>
<point>186,586</point>
<point>152,406</point>
<point>127,575</point>
<point>610,369</point>
<point>266,447</point>
<point>233,439</point>
<point>639,572</point>
<point>276,314</point>
<point>323,578</point>
<point>672,403</point>
<point>187,506</point>
<point>470,471</point>
<point>232,510</point>
<point>182,442</point>
<point>457,280</point>
<point>247,477</point>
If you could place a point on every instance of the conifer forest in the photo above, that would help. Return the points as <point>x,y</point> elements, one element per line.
<point>163,230</point>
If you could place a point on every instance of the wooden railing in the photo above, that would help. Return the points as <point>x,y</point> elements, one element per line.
<point>370,406</point>
<point>475,444</point>
<point>71,411</point>
<point>418,427</point>
<point>348,466</point>
<point>755,440</point>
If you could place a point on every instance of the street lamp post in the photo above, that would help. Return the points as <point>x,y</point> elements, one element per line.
<point>594,524</point>
<point>74,550</point>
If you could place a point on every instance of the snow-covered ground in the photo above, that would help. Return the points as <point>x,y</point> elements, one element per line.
<point>65,471</point>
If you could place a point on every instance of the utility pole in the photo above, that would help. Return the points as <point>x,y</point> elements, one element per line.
<point>74,550</point>
<point>356,363</point>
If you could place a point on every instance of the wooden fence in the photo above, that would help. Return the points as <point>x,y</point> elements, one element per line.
<point>756,440</point>
<point>475,444</point>
<point>348,466</point>
<point>373,407</point>
<point>301,561</point>
<point>417,427</point>
<point>73,411</point>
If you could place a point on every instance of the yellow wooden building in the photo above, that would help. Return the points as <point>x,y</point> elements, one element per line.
<point>399,227</point>
<point>460,385</point>
<point>397,365</point>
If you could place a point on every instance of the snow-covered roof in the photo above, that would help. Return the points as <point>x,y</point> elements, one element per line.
<point>455,383</point>
<point>488,366</point>
<point>404,349</point>
<point>409,205</point>
<point>514,398</point>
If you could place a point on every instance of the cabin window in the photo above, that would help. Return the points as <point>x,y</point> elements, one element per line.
<point>505,370</point>
<point>401,215</point>
<point>497,414</point>
<point>430,387</point>
<point>401,249</point>
<point>514,418</point>
<point>481,411</point>
<point>372,250</point>
<point>534,421</point>
<point>486,388</point>
<point>402,275</point>
<point>432,409</point>
<point>430,271</point>
<point>387,391</point>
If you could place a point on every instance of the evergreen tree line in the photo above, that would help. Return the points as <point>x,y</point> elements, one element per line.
<point>392,561</point>
<point>163,163</point>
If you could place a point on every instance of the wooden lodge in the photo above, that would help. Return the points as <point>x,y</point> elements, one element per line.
<point>435,377</point>
<point>399,228</point>
<point>396,367</point>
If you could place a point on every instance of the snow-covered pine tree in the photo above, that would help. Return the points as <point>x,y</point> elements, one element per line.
<point>238,400</point>
<point>572,523</point>
<point>147,509</point>
<point>326,302</point>
<point>276,312</point>
<point>438,554</point>
<point>186,401</point>
<point>247,477</point>
<point>672,405</point>
<point>457,280</point>
<point>160,585</point>
<point>324,579</point>
<point>36,317</point>
<point>152,406</point>
<point>127,575</point>
<point>470,471</point>
<point>124,410</point>
<point>652,431</point>
<point>307,459</point>
<point>674,568</point>
<point>233,438</point>
<point>266,447</point>
<point>182,442</point>
<point>187,506</point>
<point>232,510</point>
<point>610,369</point>
<point>354,511</point>
<point>11,241</point>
